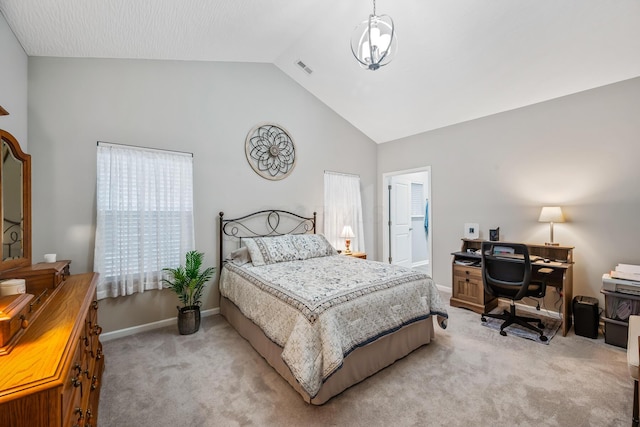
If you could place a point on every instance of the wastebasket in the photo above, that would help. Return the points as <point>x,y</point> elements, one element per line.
<point>585,316</point>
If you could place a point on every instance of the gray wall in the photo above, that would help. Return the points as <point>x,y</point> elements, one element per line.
<point>580,152</point>
<point>13,85</point>
<point>200,107</point>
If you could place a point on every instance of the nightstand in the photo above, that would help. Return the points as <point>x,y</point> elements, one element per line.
<point>360,255</point>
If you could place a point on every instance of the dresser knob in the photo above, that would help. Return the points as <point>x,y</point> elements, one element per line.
<point>23,322</point>
<point>79,412</point>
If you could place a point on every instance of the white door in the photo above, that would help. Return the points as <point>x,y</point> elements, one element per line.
<point>400,221</point>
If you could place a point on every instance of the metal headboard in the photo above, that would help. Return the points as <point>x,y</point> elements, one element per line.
<point>265,223</point>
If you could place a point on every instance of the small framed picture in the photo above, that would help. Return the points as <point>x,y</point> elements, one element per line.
<point>471,230</point>
<point>494,235</point>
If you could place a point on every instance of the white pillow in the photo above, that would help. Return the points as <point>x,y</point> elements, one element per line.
<point>240,256</point>
<point>312,246</point>
<point>269,250</point>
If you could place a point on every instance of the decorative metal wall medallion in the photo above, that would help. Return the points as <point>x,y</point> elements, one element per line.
<point>270,151</point>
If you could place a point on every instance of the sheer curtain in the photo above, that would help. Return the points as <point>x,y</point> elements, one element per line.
<point>343,206</point>
<point>144,216</point>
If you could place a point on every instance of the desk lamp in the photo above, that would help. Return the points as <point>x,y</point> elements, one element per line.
<point>551,214</point>
<point>347,233</point>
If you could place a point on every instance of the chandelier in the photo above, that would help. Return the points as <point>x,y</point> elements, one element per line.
<point>374,41</point>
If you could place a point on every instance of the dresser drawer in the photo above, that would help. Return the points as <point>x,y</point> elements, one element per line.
<point>14,316</point>
<point>465,272</point>
<point>76,384</point>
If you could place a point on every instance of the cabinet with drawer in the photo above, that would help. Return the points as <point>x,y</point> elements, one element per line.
<point>467,290</point>
<point>41,279</point>
<point>15,314</point>
<point>52,377</point>
<point>17,311</point>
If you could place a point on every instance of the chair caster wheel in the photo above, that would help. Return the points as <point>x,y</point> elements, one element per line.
<point>543,338</point>
<point>484,319</point>
<point>503,333</point>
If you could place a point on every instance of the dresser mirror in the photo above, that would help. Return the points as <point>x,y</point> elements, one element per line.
<point>15,204</point>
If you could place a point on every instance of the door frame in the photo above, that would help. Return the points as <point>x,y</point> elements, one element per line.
<point>385,211</point>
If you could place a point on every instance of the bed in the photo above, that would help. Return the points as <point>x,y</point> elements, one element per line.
<point>322,320</point>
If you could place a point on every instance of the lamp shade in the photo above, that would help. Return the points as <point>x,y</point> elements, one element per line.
<point>551,214</point>
<point>347,232</point>
<point>3,112</point>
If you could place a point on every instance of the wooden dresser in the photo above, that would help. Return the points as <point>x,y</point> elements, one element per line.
<point>51,377</point>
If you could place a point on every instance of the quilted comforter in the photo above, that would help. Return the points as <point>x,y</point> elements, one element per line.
<point>320,309</point>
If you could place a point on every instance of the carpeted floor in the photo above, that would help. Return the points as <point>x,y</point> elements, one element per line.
<point>470,375</point>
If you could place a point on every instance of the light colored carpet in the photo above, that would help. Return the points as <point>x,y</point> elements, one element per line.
<point>469,375</point>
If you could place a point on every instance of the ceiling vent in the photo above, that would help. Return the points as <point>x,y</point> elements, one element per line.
<point>302,65</point>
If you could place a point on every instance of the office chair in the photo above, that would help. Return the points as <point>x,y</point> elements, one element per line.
<point>506,273</point>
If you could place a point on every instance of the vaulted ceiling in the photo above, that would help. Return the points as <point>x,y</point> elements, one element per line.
<point>457,60</point>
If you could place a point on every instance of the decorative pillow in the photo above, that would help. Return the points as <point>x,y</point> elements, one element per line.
<point>312,246</point>
<point>240,256</point>
<point>254,251</point>
<point>269,250</point>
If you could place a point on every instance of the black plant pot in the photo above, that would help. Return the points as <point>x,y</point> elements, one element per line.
<point>188,319</point>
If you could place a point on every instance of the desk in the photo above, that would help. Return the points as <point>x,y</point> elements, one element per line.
<point>467,290</point>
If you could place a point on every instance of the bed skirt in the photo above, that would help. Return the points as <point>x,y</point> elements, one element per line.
<point>358,365</point>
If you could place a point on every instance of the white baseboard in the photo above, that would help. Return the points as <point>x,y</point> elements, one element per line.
<point>107,336</point>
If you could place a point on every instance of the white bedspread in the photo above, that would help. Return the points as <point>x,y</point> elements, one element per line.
<point>320,309</point>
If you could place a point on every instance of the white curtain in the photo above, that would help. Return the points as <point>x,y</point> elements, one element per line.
<point>343,206</point>
<point>144,217</point>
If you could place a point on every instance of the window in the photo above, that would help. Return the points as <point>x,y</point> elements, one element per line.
<point>343,206</point>
<point>144,216</point>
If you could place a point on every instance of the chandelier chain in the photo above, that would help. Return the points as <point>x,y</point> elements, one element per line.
<point>374,8</point>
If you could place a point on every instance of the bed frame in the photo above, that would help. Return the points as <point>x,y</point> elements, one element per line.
<point>270,222</point>
<point>360,363</point>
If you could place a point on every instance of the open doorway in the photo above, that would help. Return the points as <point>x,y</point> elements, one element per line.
<point>407,218</point>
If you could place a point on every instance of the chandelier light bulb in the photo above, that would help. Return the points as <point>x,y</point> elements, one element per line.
<point>374,41</point>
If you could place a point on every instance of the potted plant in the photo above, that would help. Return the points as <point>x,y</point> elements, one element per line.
<point>188,283</point>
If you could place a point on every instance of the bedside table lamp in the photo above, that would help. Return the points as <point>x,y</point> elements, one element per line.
<point>551,214</point>
<point>347,233</point>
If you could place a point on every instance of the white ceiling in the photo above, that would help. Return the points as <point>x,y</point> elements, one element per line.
<point>458,59</point>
